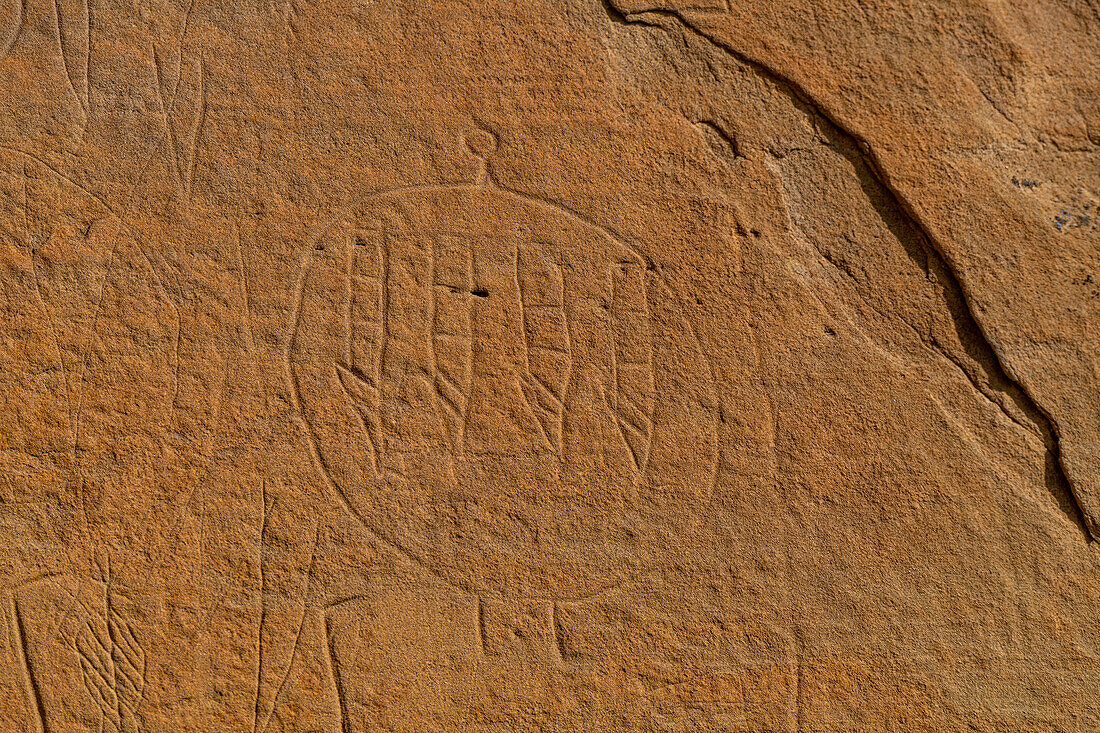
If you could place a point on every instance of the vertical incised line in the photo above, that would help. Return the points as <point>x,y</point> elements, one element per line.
<point>348,296</point>
<point>36,708</point>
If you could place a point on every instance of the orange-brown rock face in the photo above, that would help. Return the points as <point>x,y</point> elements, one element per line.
<point>572,365</point>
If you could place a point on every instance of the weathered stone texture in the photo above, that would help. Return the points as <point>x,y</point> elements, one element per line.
<point>595,365</point>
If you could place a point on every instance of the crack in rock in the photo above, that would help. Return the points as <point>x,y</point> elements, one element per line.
<point>667,18</point>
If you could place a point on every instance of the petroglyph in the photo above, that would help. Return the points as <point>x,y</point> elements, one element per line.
<point>471,332</point>
<point>78,654</point>
<point>468,345</point>
<point>606,364</point>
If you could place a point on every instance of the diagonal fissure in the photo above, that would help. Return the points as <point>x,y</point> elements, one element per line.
<point>1059,484</point>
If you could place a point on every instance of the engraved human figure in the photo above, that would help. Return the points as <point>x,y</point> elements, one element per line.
<point>501,391</point>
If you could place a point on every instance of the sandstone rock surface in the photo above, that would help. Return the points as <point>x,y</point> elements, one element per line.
<point>595,365</point>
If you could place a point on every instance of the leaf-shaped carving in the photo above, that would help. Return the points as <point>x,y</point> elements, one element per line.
<point>452,333</point>
<point>74,40</point>
<point>183,109</point>
<point>632,395</point>
<point>365,397</point>
<point>112,662</point>
<point>14,19</point>
<point>548,353</point>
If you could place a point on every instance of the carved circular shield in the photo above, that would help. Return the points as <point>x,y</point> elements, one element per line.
<point>501,390</point>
